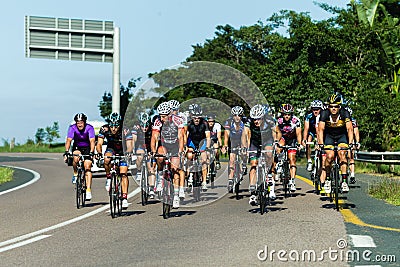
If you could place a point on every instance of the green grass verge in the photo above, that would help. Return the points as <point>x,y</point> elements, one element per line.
<point>6,175</point>
<point>30,148</point>
<point>387,189</point>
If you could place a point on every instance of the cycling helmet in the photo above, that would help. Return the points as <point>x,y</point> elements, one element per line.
<point>266,108</point>
<point>80,117</point>
<point>164,108</point>
<point>144,119</point>
<point>211,117</point>
<point>114,119</point>
<point>174,104</point>
<point>237,110</point>
<point>191,107</point>
<point>257,112</point>
<point>335,99</point>
<point>349,110</point>
<point>287,108</point>
<point>196,111</point>
<point>317,104</point>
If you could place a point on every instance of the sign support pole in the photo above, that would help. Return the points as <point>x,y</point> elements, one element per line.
<point>116,73</point>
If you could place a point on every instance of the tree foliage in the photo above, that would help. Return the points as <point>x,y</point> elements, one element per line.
<point>355,52</point>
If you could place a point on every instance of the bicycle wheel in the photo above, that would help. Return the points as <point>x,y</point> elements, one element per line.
<point>336,186</point>
<point>78,191</point>
<point>315,175</point>
<point>285,182</point>
<point>83,190</point>
<point>119,195</point>
<point>212,174</point>
<point>236,178</point>
<point>262,198</point>
<point>113,193</point>
<point>196,186</point>
<point>167,196</point>
<point>144,186</point>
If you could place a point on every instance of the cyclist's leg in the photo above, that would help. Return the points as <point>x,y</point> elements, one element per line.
<point>75,151</point>
<point>123,171</point>
<point>343,143</point>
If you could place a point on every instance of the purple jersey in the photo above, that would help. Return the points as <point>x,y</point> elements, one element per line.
<point>81,138</point>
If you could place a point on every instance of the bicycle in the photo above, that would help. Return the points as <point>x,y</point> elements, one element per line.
<point>144,179</point>
<point>212,171</point>
<point>195,175</point>
<point>283,169</point>
<point>316,171</point>
<point>237,170</point>
<point>115,192</point>
<point>334,175</point>
<point>80,185</point>
<point>167,185</point>
<point>262,185</point>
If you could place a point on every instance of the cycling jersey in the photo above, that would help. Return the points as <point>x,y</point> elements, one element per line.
<point>114,141</point>
<point>261,136</point>
<point>235,133</point>
<point>288,128</point>
<point>143,138</point>
<point>338,127</point>
<point>197,133</point>
<point>81,138</point>
<point>214,130</point>
<point>312,122</point>
<point>168,130</point>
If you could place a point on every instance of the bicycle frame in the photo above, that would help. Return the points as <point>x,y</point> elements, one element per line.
<point>285,174</point>
<point>196,172</point>
<point>167,185</point>
<point>80,185</point>
<point>115,192</point>
<point>335,179</point>
<point>237,170</point>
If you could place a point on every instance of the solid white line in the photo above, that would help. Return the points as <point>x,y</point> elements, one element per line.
<point>23,243</point>
<point>36,176</point>
<point>362,241</point>
<point>84,216</point>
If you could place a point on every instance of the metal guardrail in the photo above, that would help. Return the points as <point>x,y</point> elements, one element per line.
<point>390,158</point>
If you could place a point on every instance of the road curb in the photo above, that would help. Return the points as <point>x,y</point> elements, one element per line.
<point>19,183</point>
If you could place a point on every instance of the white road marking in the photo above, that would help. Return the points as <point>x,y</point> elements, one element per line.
<point>62,224</point>
<point>362,241</point>
<point>23,243</point>
<point>36,176</point>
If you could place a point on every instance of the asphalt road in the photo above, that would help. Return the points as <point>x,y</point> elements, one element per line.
<point>40,226</point>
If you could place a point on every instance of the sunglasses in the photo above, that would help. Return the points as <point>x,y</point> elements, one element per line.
<point>163,116</point>
<point>211,121</point>
<point>286,113</point>
<point>196,118</point>
<point>257,119</point>
<point>114,125</point>
<point>334,106</point>
<point>315,109</point>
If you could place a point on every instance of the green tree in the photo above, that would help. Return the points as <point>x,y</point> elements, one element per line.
<point>40,136</point>
<point>52,132</point>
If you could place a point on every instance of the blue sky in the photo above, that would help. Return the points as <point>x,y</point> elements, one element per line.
<point>154,35</point>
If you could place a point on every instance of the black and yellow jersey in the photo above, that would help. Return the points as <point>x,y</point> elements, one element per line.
<point>335,127</point>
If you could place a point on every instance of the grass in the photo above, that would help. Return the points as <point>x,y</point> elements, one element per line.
<point>30,148</point>
<point>387,189</point>
<point>6,175</point>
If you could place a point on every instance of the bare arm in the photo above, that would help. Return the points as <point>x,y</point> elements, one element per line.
<point>350,133</point>
<point>68,144</point>
<point>99,145</point>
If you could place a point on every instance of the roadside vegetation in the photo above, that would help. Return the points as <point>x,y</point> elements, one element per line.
<point>387,189</point>
<point>6,175</point>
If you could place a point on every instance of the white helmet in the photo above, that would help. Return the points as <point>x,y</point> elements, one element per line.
<point>174,104</point>
<point>237,110</point>
<point>164,108</point>
<point>349,110</point>
<point>317,104</point>
<point>256,112</point>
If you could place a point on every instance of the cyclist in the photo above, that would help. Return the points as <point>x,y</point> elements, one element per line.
<point>357,144</point>
<point>334,126</point>
<point>259,134</point>
<point>310,129</point>
<point>290,127</point>
<point>175,110</point>
<point>234,127</point>
<point>83,136</point>
<point>141,138</point>
<point>112,131</point>
<point>167,137</point>
<point>198,137</point>
<point>215,135</point>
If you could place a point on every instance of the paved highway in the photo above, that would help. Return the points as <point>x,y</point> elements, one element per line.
<point>41,227</point>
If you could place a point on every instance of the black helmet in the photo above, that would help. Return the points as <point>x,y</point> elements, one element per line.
<point>80,117</point>
<point>335,99</point>
<point>114,119</point>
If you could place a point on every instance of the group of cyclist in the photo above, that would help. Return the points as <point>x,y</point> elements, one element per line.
<point>185,135</point>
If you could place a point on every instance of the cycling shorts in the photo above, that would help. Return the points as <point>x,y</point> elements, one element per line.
<point>202,146</point>
<point>342,140</point>
<point>84,150</point>
<point>122,163</point>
